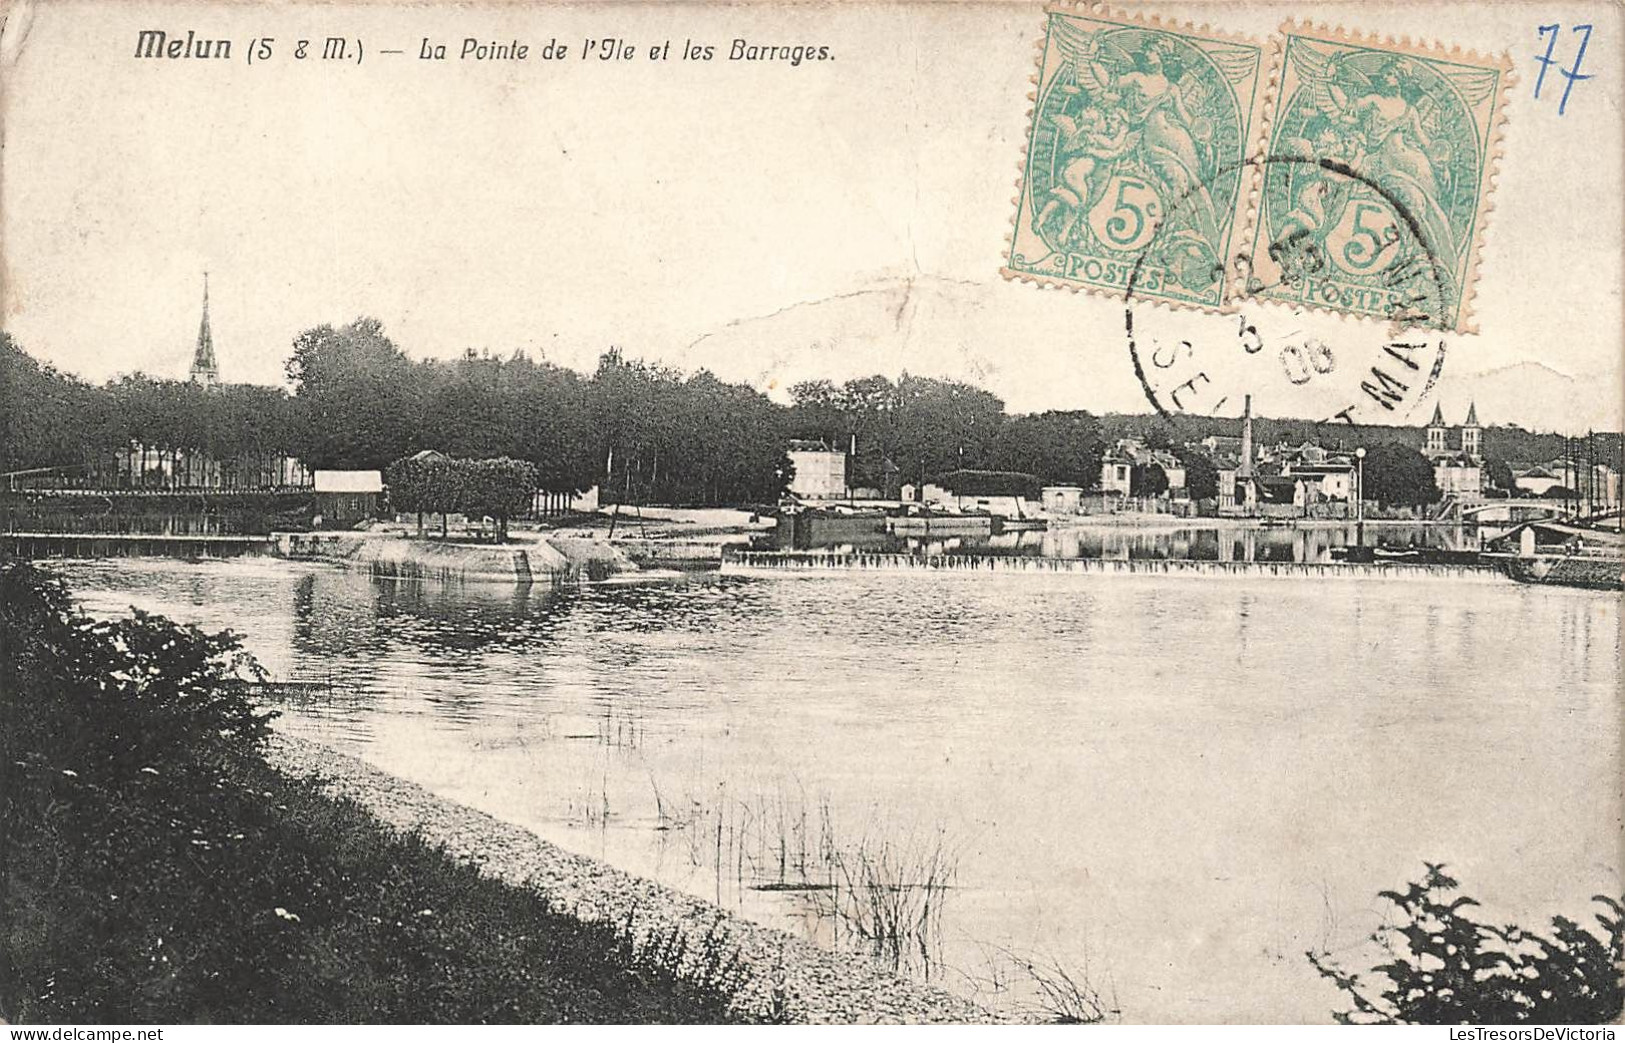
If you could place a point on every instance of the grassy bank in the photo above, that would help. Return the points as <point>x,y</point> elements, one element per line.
<point>153,867</point>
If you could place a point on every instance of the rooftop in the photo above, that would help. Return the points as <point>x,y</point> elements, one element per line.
<point>349,482</point>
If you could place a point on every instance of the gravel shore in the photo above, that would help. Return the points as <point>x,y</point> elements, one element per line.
<point>820,987</point>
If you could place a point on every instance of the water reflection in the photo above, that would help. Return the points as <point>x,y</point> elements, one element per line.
<point>1198,541</point>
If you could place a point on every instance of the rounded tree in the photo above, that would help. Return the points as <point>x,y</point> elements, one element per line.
<point>1201,476</point>
<point>1399,476</point>
<point>499,488</point>
<point>1147,480</point>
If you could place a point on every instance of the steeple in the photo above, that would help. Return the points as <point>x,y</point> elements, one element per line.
<point>205,370</point>
<point>1472,436</point>
<point>1436,431</point>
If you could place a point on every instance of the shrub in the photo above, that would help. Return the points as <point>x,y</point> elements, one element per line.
<point>1446,968</point>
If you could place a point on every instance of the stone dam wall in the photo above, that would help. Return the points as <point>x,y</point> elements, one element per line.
<point>544,561</point>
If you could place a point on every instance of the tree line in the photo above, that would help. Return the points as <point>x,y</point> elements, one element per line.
<point>641,432</point>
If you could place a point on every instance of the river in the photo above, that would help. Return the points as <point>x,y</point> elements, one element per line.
<point>1168,785</point>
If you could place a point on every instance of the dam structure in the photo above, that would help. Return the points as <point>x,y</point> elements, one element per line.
<point>544,561</point>
<point>781,562</point>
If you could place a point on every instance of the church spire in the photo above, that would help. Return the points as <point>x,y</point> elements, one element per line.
<point>205,370</point>
<point>1472,436</point>
<point>1436,431</point>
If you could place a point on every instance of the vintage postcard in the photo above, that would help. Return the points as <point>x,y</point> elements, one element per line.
<point>540,513</point>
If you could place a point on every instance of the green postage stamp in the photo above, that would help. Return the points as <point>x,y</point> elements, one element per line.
<point>1375,178</point>
<point>1135,177</point>
<point>1153,173</point>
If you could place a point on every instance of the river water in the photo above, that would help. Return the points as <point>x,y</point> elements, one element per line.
<point>1171,786</point>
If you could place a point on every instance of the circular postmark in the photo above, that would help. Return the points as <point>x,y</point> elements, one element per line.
<point>1339,244</point>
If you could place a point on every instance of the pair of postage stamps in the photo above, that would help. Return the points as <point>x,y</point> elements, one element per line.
<point>1198,169</point>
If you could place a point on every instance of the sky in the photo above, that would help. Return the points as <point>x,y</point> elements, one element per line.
<point>770,222</point>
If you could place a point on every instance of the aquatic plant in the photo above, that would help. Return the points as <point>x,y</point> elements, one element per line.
<point>1039,987</point>
<point>1443,967</point>
<point>881,892</point>
<point>887,895</point>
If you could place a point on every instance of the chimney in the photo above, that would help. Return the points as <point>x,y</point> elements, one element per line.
<point>1246,468</point>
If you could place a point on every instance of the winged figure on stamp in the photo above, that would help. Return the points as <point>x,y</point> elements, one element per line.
<point>1128,99</point>
<point>1389,127</point>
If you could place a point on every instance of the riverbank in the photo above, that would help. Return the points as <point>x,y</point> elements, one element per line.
<point>778,974</point>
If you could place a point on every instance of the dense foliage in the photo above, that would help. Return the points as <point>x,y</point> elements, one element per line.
<point>925,428</point>
<point>1397,475</point>
<point>1147,480</point>
<point>433,483</point>
<point>1201,475</point>
<point>1445,968</point>
<point>641,432</point>
<point>53,420</point>
<point>153,868</point>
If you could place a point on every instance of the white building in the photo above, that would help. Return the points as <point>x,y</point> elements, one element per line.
<point>1062,499</point>
<point>820,471</point>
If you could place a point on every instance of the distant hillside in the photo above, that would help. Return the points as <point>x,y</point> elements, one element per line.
<point>1534,396</point>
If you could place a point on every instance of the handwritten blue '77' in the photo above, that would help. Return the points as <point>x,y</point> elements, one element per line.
<point>1571,74</point>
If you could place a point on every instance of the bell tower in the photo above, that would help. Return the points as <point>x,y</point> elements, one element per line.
<point>1436,431</point>
<point>1472,436</point>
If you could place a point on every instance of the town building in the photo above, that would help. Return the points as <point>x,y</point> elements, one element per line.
<point>1118,463</point>
<point>1117,468</point>
<point>1456,455</point>
<point>1597,486</point>
<point>346,497</point>
<point>1536,479</point>
<point>820,470</point>
<point>1062,499</point>
<point>1297,481</point>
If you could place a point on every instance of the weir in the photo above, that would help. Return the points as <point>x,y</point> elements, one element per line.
<point>754,562</point>
<point>131,545</point>
<point>517,564</point>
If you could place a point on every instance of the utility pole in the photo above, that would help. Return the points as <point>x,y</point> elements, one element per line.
<point>1591,473</point>
<point>1359,497</point>
<point>1568,474</point>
